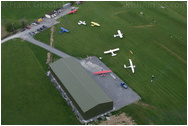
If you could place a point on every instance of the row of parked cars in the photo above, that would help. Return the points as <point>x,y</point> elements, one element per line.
<point>27,27</point>
<point>38,30</point>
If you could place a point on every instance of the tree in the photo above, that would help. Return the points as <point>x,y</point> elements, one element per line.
<point>9,27</point>
<point>23,24</point>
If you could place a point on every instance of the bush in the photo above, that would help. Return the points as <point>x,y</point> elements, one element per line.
<point>9,27</point>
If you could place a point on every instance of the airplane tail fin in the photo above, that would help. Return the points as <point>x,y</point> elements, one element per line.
<point>114,54</point>
<point>125,66</point>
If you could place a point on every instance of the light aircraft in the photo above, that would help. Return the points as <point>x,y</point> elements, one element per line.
<point>103,72</point>
<point>119,34</point>
<point>95,24</point>
<point>82,22</point>
<point>63,30</point>
<point>72,12</point>
<point>112,51</point>
<point>131,65</point>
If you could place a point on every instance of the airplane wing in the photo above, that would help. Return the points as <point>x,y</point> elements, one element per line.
<point>120,34</point>
<point>131,65</point>
<point>97,24</point>
<point>132,68</point>
<point>105,52</point>
<point>94,23</point>
<point>64,29</point>
<point>115,49</point>
<point>70,12</point>
<point>102,72</point>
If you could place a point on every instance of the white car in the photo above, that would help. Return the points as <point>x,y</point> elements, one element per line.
<point>35,32</point>
<point>34,24</point>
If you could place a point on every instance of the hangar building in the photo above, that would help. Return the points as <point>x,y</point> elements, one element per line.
<point>87,96</point>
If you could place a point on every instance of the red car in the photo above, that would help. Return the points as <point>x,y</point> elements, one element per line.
<point>27,27</point>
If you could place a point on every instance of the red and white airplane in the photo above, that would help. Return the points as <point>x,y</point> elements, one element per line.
<point>102,72</point>
<point>131,65</point>
<point>72,12</point>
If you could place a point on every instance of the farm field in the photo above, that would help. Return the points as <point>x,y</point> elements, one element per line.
<point>158,40</point>
<point>27,95</point>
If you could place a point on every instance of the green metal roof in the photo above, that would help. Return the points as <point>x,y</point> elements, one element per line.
<point>85,91</point>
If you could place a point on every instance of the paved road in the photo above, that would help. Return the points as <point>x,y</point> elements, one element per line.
<point>48,22</point>
<point>47,47</point>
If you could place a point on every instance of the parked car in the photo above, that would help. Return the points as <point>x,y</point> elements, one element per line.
<point>124,85</point>
<point>23,29</point>
<point>38,30</point>
<point>31,33</point>
<point>37,22</point>
<point>44,26</point>
<point>41,29</point>
<point>35,32</point>
<point>34,24</point>
<point>27,27</point>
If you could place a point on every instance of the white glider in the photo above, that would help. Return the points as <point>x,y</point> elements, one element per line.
<point>131,65</point>
<point>111,51</point>
<point>119,34</point>
<point>82,22</point>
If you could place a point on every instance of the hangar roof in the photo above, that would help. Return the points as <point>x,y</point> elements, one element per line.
<point>84,90</point>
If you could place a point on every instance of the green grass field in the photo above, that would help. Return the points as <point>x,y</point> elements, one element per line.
<point>158,39</point>
<point>27,95</point>
<point>14,11</point>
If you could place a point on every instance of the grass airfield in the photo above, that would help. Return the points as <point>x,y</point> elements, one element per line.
<point>158,39</point>
<point>148,36</point>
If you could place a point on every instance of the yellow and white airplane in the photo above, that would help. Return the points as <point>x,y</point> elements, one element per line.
<point>94,24</point>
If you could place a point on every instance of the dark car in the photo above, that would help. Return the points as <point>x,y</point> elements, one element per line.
<point>44,26</point>
<point>37,22</point>
<point>27,27</point>
<point>38,30</point>
<point>23,29</point>
<point>123,84</point>
<point>41,29</point>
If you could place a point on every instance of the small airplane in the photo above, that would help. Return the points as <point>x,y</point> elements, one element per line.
<point>131,65</point>
<point>72,12</point>
<point>119,34</point>
<point>63,30</point>
<point>94,24</point>
<point>112,51</point>
<point>103,72</point>
<point>82,22</point>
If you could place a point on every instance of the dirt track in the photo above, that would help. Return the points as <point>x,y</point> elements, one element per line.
<point>121,119</point>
